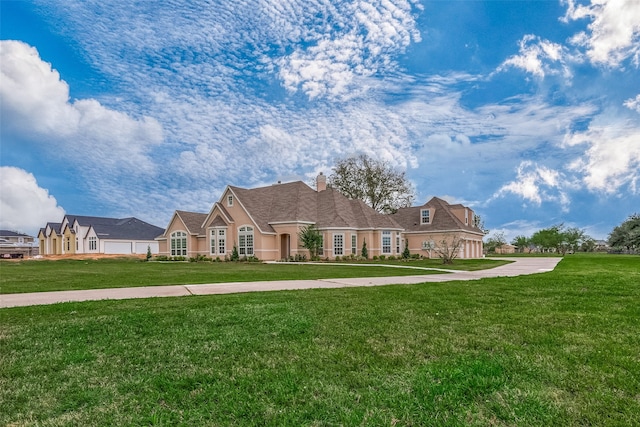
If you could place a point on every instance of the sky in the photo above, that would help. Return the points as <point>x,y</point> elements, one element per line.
<point>526,111</point>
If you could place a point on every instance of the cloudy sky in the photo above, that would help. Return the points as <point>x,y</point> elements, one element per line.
<point>529,112</point>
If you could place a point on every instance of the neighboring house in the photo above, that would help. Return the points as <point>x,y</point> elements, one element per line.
<point>97,235</point>
<point>426,227</point>
<point>265,223</point>
<point>16,245</point>
<point>506,249</point>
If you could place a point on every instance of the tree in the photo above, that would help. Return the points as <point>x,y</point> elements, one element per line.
<point>548,239</point>
<point>149,255</point>
<point>521,242</point>
<point>495,242</point>
<point>365,252</point>
<point>406,254</point>
<point>448,248</point>
<point>627,234</point>
<point>373,181</point>
<point>311,239</point>
<point>478,222</point>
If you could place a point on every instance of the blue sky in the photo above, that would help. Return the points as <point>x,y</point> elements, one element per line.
<point>529,112</point>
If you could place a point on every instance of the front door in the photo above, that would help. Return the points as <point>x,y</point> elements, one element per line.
<point>285,249</point>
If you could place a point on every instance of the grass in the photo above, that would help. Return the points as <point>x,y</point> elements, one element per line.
<point>60,275</point>
<point>558,348</point>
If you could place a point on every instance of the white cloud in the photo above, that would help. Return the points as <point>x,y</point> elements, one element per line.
<point>36,106</point>
<point>633,103</point>
<point>614,32</point>
<point>364,41</point>
<point>612,162</point>
<point>536,184</point>
<point>539,57</point>
<point>24,205</point>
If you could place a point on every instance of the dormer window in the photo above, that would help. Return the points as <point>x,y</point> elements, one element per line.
<point>425,216</point>
<point>230,200</point>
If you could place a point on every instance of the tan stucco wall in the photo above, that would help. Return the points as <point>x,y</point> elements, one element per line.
<point>472,247</point>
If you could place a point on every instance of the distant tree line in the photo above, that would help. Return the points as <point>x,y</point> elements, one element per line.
<point>624,238</point>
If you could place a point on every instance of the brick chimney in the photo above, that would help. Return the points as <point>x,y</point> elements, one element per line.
<point>321,182</point>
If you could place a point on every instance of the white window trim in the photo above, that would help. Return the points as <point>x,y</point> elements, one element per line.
<point>244,233</point>
<point>341,246</point>
<point>422,217</point>
<point>354,244</point>
<point>390,246</point>
<point>182,235</point>
<point>230,200</point>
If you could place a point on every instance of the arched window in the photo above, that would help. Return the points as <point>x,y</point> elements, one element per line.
<point>178,243</point>
<point>245,241</point>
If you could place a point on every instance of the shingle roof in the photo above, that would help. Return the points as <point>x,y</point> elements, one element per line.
<point>442,217</point>
<point>193,221</point>
<point>125,228</point>
<point>296,201</point>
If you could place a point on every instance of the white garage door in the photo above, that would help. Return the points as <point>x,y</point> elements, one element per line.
<point>123,248</point>
<point>141,248</point>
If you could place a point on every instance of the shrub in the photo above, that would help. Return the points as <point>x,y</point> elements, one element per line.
<point>382,257</point>
<point>375,257</point>
<point>234,254</point>
<point>392,258</point>
<point>338,259</point>
<point>162,258</point>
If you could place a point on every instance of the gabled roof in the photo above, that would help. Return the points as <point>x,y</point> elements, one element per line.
<point>297,202</point>
<point>442,218</point>
<point>193,221</point>
<point>125,228</point>
<point>54,226</point>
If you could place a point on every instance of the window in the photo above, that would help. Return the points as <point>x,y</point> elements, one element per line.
<point>424,216</point>
<point>245,241</point>
<point>466,217</point>
<point>398,243</point>
<point>178,243</point>
<point>338,244</point>
<point>230,200</point>
<point>77,244</point>
<point>68,239</point>
<point>93,243</point>
<point>218,242</point>
<point>354,244</point>
<point>386,242</point>
<point>222,244</point>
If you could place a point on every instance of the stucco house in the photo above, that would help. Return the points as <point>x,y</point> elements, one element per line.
<point>98,235</point>
<point>265,223</point>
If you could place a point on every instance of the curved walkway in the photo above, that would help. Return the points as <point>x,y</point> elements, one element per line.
<point>520,266</point>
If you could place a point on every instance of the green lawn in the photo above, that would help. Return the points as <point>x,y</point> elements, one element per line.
<point>553,349</point>
<point>60,275</point>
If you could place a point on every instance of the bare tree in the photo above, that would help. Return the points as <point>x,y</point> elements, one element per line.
<point>373,181</point>
<point>448,248</point>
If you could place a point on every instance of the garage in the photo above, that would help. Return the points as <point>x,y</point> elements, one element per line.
<point>122,248</point>
<point>141,248</point>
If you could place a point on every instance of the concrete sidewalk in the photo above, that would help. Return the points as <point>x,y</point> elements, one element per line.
<point>520,266</point>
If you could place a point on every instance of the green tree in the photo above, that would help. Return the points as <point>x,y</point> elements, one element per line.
<point>627,234</point>
<point>373,181</point>
<point>548,239</point>
<point>521,242</point>
<point>365,252</point>
<point>311,239</point>
<point>406,254</point>
<point>149,255</point>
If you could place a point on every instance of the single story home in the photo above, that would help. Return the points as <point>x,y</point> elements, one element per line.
<point>265,223</point>
<point>97,235</point>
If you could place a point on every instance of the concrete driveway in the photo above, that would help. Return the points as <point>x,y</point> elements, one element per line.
<point>519,266</point>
